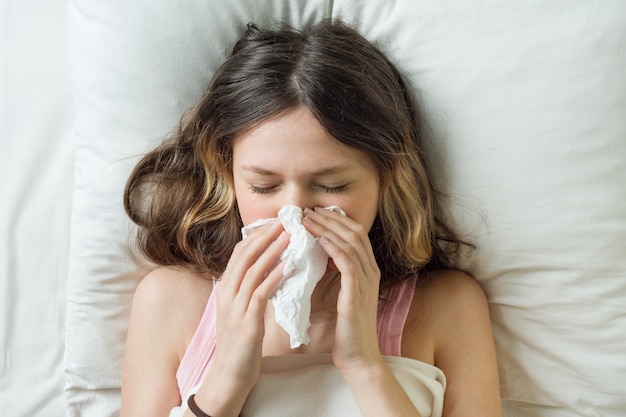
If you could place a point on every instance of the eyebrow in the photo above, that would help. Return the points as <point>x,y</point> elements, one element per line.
<point>335,169</point>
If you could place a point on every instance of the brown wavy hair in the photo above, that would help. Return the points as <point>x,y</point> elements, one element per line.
<point>182,196</point>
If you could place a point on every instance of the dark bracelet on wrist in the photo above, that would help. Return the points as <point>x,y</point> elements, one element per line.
<point>191,402</point>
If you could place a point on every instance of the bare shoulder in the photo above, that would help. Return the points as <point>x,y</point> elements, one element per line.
<point>440,299</point>
<point>173,286</point>
<point>451,313</point>
<point>451,292</point>
<point>173,300</point>
<point>445,301</point>
<point>167,307</point>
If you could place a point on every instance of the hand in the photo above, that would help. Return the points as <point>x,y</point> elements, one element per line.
<point>249,280</point>
<point>347,244</point>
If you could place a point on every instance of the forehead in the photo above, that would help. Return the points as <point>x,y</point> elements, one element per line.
<point>295,135</point>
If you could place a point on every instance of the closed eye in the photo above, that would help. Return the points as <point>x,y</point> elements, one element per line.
<point>262,190</point>
<point>266,190</point>
<point>336,189</point>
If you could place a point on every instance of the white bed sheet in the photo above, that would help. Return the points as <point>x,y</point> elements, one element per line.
<point>36,184</point>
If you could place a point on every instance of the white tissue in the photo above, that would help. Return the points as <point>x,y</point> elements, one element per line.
<point>305,265</point>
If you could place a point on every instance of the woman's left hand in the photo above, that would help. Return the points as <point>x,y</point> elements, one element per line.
<point>347,243</point>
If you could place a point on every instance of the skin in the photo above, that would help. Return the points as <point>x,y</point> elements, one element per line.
<point>290,159</point>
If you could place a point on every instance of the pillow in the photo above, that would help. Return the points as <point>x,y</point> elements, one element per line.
<point>526,103</point>
<point>135,68</point>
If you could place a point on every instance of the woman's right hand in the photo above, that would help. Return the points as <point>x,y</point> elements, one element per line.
<point>249,280</point>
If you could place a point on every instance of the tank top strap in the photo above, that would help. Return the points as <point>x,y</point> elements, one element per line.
<point>393,309</point>
<point>196,361</point>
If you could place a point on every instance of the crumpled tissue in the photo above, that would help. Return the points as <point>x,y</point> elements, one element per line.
<point>305,264</point>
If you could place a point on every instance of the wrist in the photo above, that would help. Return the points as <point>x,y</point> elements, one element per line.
<point>218,401</point>
<point>194,408</point>
<point>365,370</point>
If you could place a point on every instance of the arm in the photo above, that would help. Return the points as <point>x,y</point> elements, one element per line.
<point>166,311</point>
<point>461,341</point>
<point>355,350</point>
<point>463,344</point>
<point>156,339</point>
<point>247,283</point>
<point>378,392</point>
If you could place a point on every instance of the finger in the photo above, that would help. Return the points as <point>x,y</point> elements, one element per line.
<point>246,253</point>
<point>348,268</point>
<point>342,225</point>
<point>263,266</point>
<point>261,295</point>
<point>344,232</point>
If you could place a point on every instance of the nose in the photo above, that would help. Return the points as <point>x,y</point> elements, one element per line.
<point>299,196</point>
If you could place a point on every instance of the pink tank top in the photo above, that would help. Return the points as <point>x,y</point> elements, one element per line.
<point>393,308</point>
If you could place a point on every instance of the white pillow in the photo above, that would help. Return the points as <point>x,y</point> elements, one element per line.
<point>527,103</point>
<point>135,68</point>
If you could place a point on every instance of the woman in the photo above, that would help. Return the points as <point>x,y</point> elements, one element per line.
<point>313,119</point>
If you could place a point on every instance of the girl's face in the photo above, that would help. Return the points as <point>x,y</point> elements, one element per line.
<point>291,159</point>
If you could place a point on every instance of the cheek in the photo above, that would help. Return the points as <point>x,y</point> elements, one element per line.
<point>363,210</point>
<point>244,204</point>
<point>374,202</point>
<point>245,212</point>
<point>367,216</point>
<point>248,211</point>
<point>252,208</point>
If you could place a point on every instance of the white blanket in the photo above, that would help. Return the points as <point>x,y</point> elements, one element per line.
<point>310,385</point>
